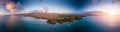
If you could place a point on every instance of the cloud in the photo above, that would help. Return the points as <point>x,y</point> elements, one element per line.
<point>11,5</point>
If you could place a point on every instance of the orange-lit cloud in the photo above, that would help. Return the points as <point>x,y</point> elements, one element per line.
<point>12,7</point>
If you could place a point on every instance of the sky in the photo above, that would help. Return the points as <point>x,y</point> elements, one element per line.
<point>58,6</point>
<point>54,6</point>
<point>67,6</point>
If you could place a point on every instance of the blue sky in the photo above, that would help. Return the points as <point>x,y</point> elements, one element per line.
<point>67,5</point>
<point>73,5</point>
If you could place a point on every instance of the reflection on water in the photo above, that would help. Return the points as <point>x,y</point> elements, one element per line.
<point>29,24</point>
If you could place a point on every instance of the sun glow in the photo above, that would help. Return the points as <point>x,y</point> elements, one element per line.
<point>111,17</point>
<point>110,9</point>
